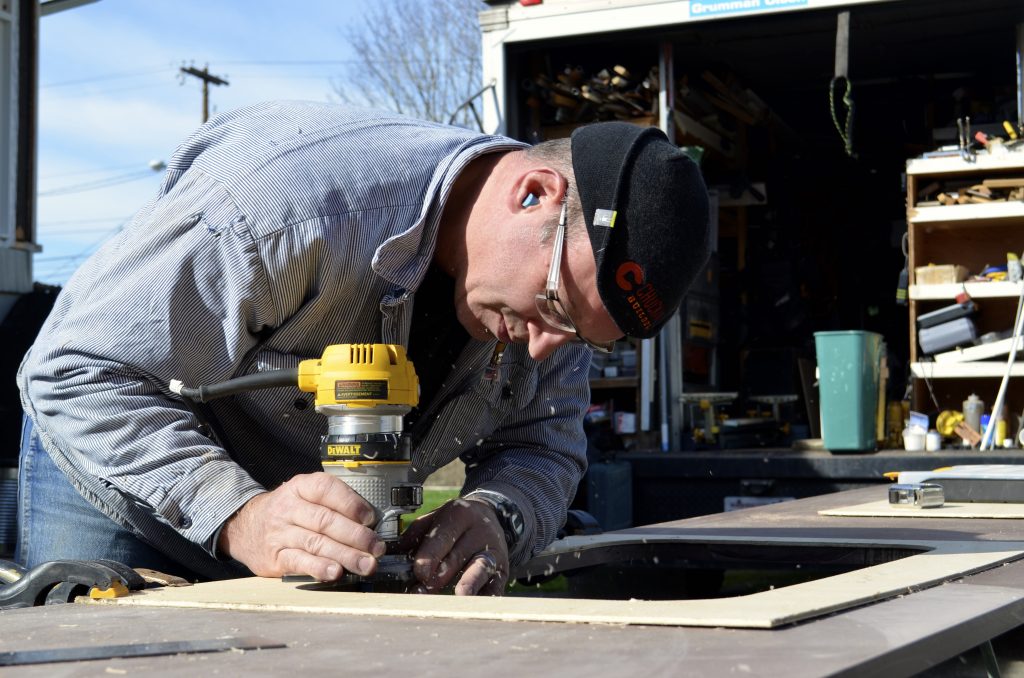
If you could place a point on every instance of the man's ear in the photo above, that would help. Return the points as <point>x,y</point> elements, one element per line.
<point>539,186</point>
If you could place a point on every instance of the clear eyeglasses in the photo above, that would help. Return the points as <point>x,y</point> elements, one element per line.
<point>549,305</point>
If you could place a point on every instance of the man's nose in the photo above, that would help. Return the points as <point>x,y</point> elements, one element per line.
<point>544,340</point>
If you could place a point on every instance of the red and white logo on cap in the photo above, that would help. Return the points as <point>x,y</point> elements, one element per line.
<point>643,299</point>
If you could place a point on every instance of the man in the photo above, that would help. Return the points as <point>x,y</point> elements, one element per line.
<point>285,227</point>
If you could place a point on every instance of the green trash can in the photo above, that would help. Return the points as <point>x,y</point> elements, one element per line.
<point>849,365</point>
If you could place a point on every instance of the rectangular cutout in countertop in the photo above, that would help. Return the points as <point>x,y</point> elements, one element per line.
<point>935,563</point>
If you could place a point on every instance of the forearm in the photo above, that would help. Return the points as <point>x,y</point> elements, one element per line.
<point>119,428</point>
<point>540,484</point>
<point>538,456</point>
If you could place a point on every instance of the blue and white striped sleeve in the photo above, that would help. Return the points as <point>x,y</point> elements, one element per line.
<point>537,457</point>
<point>181,292</point>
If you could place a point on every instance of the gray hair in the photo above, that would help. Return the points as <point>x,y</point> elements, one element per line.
<point>557,154</point>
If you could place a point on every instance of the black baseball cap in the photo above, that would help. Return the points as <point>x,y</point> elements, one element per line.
<point>646,209</point>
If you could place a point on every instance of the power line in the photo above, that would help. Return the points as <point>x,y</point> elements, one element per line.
<point>256,77</point>
<point>337,62</point>
<point>297,62</point>
<point>109,76</point>
<point>93,220</point>
<point>96,184</point>
<point>95,170</point>
<point>62,257</point>
<point>72,260</point>
<point>67,232</point>
<point>293,63</point>
<point>84,252</point>
<point>149,85</point>
<point>78,227</point>
<point>92,93</point>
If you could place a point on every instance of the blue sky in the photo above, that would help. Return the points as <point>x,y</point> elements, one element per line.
<point>110,100</point>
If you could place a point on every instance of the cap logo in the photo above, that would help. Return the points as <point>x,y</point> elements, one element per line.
<point>644,300</point>
<point>605,218</point>
<point>628,275</point>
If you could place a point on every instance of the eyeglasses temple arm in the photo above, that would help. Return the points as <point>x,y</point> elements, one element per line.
<point>556,255</point>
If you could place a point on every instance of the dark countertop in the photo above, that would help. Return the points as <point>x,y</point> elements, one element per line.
<point>899,636</point>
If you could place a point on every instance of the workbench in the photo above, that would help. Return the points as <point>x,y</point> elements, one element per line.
<point>900,635</point>
<point>674,485</point>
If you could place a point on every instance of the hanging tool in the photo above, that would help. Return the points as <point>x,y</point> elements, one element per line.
<point>903,282</point>
<point>963,128</point>
<point>364,390</point>
<point>842,67</point>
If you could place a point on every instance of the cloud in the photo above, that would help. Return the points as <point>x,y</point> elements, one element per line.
<point>111,98</point>
<point>106,124</point>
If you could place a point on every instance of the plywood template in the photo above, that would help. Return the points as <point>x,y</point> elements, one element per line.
<point>941,562</point>
<point>883,509</point>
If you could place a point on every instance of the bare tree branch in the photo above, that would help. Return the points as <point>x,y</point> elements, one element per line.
<point>414,57</point>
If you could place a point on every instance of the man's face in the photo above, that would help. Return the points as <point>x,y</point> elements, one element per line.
<point>497,296</point>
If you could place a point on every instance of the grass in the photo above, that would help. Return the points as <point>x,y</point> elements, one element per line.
<point>432,499</point>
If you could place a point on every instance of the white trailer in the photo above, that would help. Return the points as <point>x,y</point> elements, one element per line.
<point>774,43</point>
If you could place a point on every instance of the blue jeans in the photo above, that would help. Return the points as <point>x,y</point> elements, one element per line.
<point>56,523</point>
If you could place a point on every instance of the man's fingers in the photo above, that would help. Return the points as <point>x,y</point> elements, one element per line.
<point>326,490</point>
<point>313,524</point>
<point>482,575</point>
<point>437,544</point>
<point>470,555</point>
<point>317,545</point>
<point>459,540</point>
<point>497,584</point>
<point>410,539</point>
<point>325,525</point>
<point>296,561</point>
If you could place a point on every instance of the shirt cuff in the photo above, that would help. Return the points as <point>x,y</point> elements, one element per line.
<point>524,547</point>
<point>199,503</point>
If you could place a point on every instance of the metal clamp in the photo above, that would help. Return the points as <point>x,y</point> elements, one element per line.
<point>61,581</point>
<point>963,128</point>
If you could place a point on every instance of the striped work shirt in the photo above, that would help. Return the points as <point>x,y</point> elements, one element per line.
<point>277,230</point>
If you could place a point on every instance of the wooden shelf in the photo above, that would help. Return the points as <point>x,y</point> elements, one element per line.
<point>987,368</point>
<point>977,290</point>
<point>972,236</point>
<point>937,214</point>
<point>614,382</point>
<point>954,164</point>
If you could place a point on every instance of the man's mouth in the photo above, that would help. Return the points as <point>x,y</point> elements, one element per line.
<point>502,333</point>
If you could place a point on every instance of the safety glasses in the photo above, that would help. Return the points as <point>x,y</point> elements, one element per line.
<point>549,305</point>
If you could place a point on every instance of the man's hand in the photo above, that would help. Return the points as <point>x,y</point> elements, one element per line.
<point>461,536</point>
<point>313,524</point>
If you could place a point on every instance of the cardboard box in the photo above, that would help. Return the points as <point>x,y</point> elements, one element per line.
<point>939,274</point>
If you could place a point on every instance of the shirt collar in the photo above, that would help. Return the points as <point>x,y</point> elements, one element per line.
<point>404,258</point>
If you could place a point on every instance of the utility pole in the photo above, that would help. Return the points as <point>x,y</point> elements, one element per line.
<point>207,78</point>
